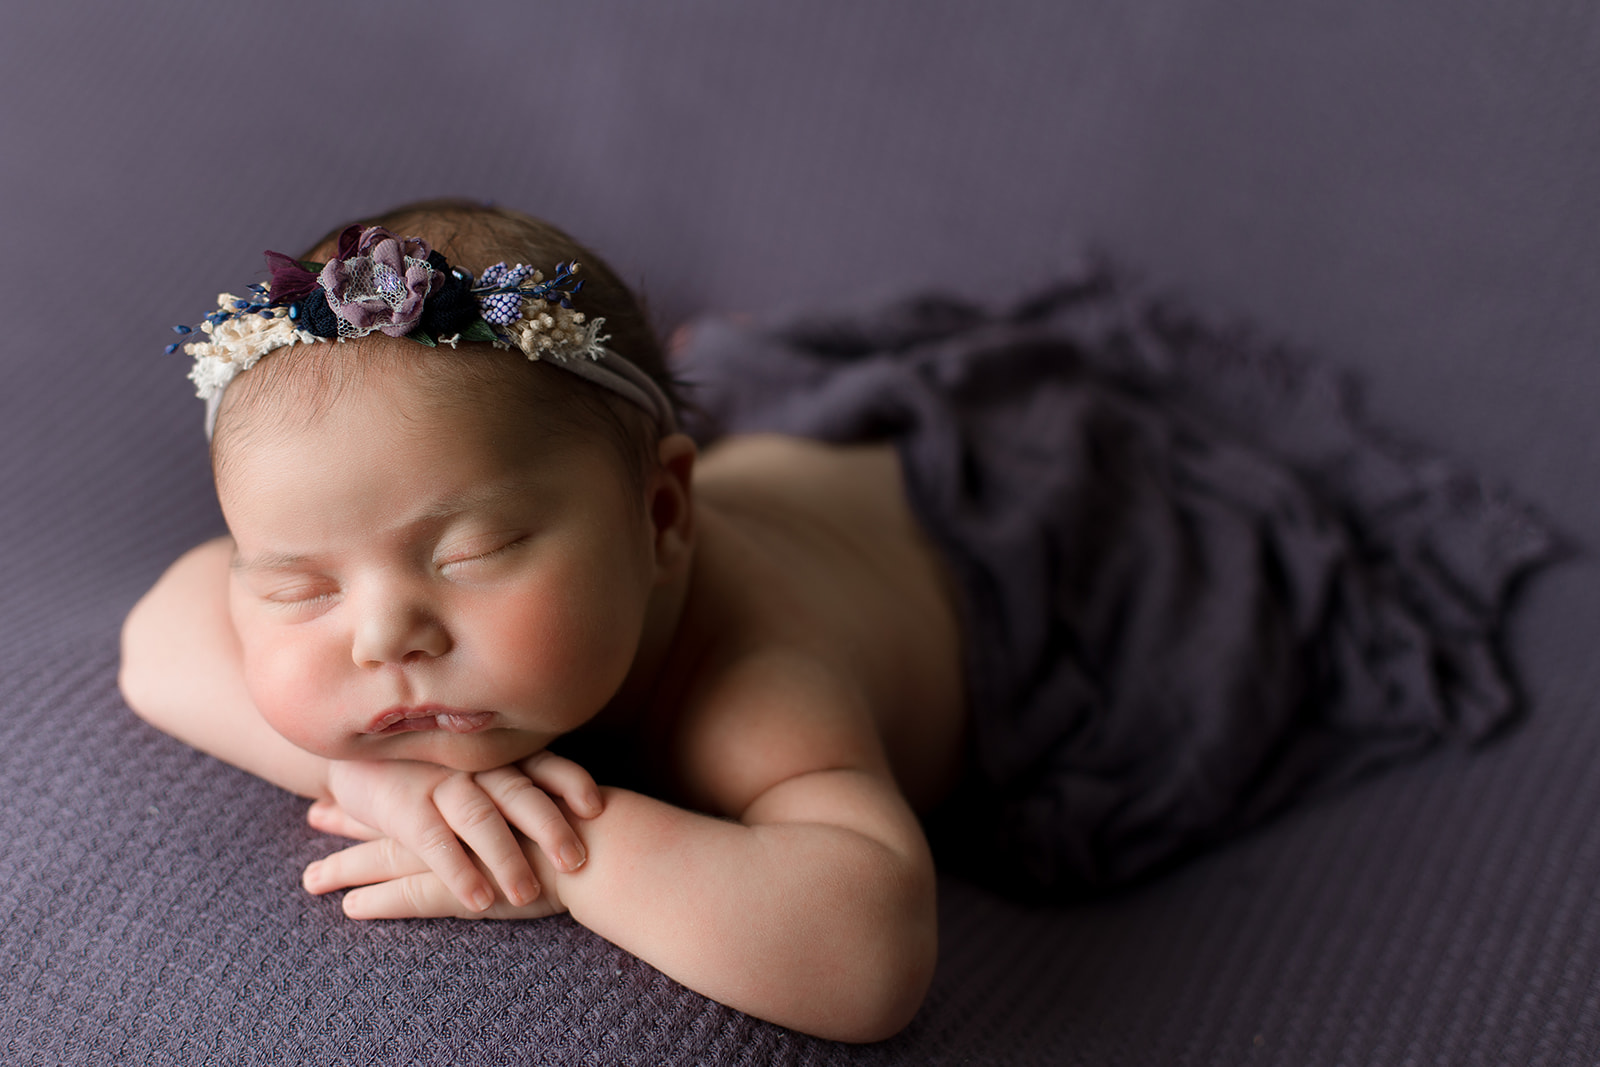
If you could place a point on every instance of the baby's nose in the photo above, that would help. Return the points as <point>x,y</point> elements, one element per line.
<point>398,633</point>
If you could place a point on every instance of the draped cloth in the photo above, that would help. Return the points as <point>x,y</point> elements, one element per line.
<point>1195,584</point>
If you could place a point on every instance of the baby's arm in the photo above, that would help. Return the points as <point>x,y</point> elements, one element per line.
<point>182,672</point>
<point>813,908</point>
<point>816,911</point>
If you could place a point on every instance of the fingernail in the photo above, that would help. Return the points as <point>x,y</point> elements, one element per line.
<point>592,804</point>
<point>527,891</point>
<point>572,857</point>
<point>481,899</point>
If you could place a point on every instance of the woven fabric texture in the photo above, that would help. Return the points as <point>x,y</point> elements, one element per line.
<point>1404,190</point>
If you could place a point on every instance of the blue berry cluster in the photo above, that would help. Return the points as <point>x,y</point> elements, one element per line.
<point>502,304</point>
<point>502,289</point>
<point>502,309</point>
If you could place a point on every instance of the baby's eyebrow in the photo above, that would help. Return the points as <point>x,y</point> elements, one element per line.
<point>484,496</point>
<point>267,561</point>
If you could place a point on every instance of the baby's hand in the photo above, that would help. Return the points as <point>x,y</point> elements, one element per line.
<point>431,811</point>
<point>387,881</point>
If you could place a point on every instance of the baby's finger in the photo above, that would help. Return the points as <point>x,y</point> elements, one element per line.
<point>426,833</point>
<point>364,864</point>
<point>423,896</point>
<point>531,810</point>
<point>477,819</point>
<point>329,818</point>
<point>413,896</point>
<point>562,778</point>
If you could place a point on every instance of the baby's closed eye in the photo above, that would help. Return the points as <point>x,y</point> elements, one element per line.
<point>296,591</point>
<point>467,556</point>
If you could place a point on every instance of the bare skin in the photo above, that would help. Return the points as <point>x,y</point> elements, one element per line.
<point>788,678</point>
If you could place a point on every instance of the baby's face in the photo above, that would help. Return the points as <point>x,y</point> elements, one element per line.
<point>414,584</point>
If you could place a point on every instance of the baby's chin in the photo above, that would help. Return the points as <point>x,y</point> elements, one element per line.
<point>470,754</point>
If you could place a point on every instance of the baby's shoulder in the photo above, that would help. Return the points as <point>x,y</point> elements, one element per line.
<point>798,472</point>
<point>805,535</point>
<point>764,713</point>
<point>832,619</point>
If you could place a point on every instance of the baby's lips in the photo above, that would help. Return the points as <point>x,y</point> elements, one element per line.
<point>464,722</point>
<point>430,717</point>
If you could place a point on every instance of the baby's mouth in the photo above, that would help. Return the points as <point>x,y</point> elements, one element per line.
<point>430,717</point>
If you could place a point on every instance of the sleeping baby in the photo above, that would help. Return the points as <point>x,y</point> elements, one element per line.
<point>537,650</point>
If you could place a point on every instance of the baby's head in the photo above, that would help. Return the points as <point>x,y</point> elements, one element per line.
<point>453,554</point>
<point>298,380</point>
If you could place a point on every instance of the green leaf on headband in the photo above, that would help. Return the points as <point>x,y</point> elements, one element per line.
<point>479,331</point>
<point>423,336</point>
<point>314,268</point>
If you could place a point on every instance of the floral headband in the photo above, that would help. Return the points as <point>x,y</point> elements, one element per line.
<point>401,287</point>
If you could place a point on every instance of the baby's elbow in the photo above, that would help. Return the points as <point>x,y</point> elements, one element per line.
<point>895,963</point>
<point>134,674</point>
<point>876,1007</point>
<point>148,675</point>
<point>172,631</point>
<point>881,1011</point>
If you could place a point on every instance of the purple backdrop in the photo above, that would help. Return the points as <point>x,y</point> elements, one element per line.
<point>1406,190</point>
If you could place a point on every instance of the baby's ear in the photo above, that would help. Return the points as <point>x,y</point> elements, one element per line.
<point>669,501</point>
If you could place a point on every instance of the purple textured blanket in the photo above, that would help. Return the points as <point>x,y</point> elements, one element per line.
<point>1405,189</point>
<point>1195,586</point>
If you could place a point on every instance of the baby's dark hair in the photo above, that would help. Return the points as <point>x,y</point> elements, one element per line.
<point>474,236</point>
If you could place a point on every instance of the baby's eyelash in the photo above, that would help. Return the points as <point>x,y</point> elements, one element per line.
<point>497,550</point>
<point>298,599</point>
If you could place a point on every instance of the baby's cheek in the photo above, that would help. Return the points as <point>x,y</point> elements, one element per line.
<point>579,648</point>
<point>287,692</point>
<point>565,632</point>
<point>524,634</point>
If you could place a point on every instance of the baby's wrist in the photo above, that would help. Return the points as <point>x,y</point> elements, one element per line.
<point>549,877</point>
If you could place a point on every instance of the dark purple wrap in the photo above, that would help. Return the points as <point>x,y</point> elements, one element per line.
<point>1194,586</point>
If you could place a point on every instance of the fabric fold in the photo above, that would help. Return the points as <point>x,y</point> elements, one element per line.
<point>1195,585</point>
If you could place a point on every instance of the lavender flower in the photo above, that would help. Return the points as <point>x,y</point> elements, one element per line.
<point>383,286</point>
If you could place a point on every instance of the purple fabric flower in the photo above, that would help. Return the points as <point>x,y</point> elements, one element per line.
<point>349,238</point>
<point>290,281</point>
<point>382,286</point>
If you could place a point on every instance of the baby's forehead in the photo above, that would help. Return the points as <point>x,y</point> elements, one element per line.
<point>383,446</point>
<point>518,408</point>
<point>474,396</point>
<point>475,378</point>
